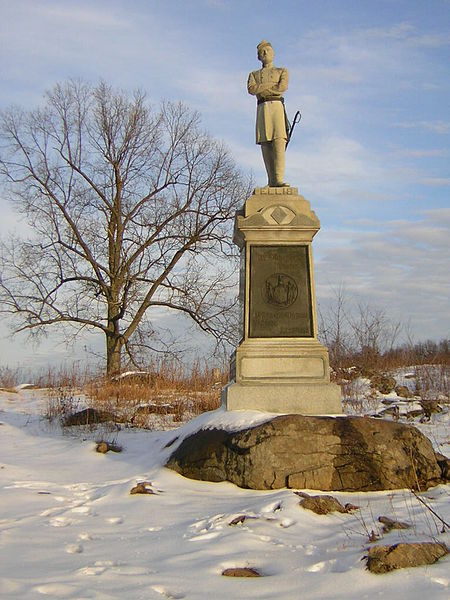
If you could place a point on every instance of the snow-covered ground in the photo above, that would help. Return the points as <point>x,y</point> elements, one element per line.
<point>70,529</point>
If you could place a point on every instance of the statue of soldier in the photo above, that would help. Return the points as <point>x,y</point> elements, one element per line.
<point>268,85</point>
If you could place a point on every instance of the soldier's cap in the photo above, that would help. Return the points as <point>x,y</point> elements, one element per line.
<point>262,44</point>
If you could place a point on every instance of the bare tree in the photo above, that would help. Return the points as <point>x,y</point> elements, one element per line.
<point>374,333</point>
<point>130,209</point>
<point>334,328</point>
<point>356,332</point>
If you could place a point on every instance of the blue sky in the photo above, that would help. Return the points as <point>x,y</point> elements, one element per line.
<point>371,154</point>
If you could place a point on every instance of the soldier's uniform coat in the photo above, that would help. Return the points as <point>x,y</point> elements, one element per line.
<point>270,114</point>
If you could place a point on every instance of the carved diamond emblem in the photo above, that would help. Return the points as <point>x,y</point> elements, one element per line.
<point>279,215</point>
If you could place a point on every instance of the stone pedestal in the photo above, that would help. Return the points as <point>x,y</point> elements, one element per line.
<point>279,365</point>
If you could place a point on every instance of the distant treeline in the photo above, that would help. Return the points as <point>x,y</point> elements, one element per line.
<point>421,352</point>
<point>369,358</point>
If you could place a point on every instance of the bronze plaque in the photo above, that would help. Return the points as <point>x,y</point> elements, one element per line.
<point>280,292</point>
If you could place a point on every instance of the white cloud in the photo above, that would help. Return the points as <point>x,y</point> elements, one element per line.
<point>438,216</point>
<point>86,16</point>
<point>438,152</point>
<point>435,181</point>
<point>217,92</point>
<point>405,32</point>
<point>402,268</point>
<point>440,127</point>
<point>333,167</point>
<point>399,31</point>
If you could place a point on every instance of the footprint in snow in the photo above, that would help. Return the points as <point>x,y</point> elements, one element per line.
<point>272,507</point>
<point>167,593</point>
<point>95,570</point>
<point>59,590</point>
<point>206,524</point>
<point>98,568</point>
<point>285,523</point>
<point>49,511</point>
<point>101,566</point>
<point>132,571</point>
<point>74,549</point>
<point>78,487</point>
<point>320,566</point>
<point>82,510</point>
<point>199,524</point>
<point>310,550</point>
<point>440,580</point>
<point>115,520</point>
<point>61,522</point>
<point>205,536</point>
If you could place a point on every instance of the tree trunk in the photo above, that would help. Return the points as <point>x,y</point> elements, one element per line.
<point>113,352</point>
<point>114,340</point>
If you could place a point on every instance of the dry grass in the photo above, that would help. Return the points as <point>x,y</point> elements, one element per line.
<point>9,378</point>
<point>61,402</point>
<point>67,378</point>
<point>165,388</point>
<point>168,393</point>
<point>358,398</point>
<point>433,382</point>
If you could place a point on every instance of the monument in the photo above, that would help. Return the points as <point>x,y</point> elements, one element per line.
<point>279,366</point>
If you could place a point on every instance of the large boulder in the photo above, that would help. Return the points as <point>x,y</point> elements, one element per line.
<point>323,453</point>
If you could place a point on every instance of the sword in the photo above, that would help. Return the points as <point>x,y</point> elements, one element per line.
<point>297,118</point>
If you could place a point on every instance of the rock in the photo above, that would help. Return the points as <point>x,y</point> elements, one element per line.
<point>347,374</point>
<point>403,392</point>
<point>309,452</point>
<point>383,383</point>
<point>413,414</point>
<point>89,416</point>
<point>430,407</point>
<point>322,505</point>
<point>389,524</point>
<point>153,408</point>
<point>136,377</point>
<point>144,487</point>
<point>172,441</point>
<point>382,559</point>
<point>241,572</point>
<point>393,411</point>
<point>104,447</point>
<point>444,465</point>
<point>373,537</point>
<point>301,494</point>
<point>238,520</point>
